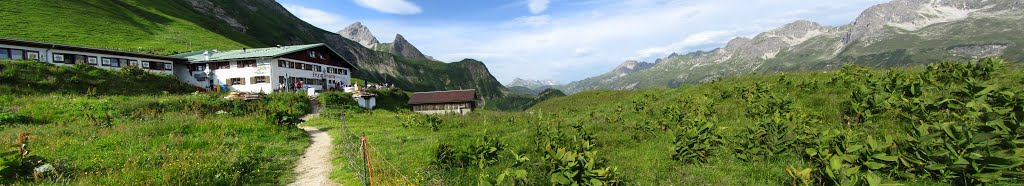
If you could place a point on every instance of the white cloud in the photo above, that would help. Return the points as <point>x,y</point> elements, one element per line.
<point>317,17</point>
<point>391,6</point>
<point>701,38</point>
<point>581,52</point>
<point>533,21</point>
<point>580,43</point>
<point>537,6</point>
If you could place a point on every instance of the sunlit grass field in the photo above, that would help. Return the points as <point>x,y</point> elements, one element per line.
<point>635,132</point>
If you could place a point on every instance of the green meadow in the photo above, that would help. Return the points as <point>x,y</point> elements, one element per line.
<point>946,123</point>
<point>90,131</point>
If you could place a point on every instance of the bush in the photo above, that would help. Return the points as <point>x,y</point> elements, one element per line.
<point>337,100</point>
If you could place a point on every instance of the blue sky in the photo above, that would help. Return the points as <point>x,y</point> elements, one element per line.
<point>567,40</point>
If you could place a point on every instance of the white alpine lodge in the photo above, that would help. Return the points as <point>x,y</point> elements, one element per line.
<point>282,68</point>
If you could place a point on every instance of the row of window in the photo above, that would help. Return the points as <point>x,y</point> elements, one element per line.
<point>108,61</point>
<point>17,54</point>
<point>305,81</point>
<point>450,106</point>
<point>309,67</point>
<point>223,65</point>
<point>251,80</point>
<point>281,79</point>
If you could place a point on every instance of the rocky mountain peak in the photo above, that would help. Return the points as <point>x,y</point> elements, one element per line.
<point>630,66</point>
<point>799,31</point>
<point>912,15</point>
<point>361,34</point>
<point>402,47</point>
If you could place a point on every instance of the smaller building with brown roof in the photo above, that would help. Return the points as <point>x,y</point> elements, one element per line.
<point>444,102</point>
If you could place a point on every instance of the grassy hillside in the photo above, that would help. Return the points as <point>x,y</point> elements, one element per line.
<point>103,127</point>
<point>30,77</point>
<point>851,126</point>
<point>142,26</point>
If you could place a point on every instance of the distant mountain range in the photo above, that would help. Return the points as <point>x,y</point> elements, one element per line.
<point>531,87</point>
<point>898,33</point>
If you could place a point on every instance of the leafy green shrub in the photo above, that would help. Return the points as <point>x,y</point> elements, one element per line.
<point>20,163</point>
<point>483,153</point>
<point>772,136</point>
<point>951,73</point>
<point>433,121</point>
<point>844,158</point>
<point>761,101</point>
<point>577,163</point>
<point>696,135</point>
<point>337,100</point>
<point>695,143</point>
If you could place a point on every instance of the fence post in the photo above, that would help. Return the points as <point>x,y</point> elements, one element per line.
<point>366,158</point>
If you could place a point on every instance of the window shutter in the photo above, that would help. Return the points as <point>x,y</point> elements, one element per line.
<point>243,81</point>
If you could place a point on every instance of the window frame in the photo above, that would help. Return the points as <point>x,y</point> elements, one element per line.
<point>236,81</point>
<point>31,55</point>
<point>260,79</point>
<point>58,58</point>
<point>5,53</point>
<point>20,53</point>
<point>116,62</point>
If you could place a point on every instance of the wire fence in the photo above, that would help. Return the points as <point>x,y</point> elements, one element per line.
<point>366,161</point>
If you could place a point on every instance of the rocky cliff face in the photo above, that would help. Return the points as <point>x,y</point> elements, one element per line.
<point>884,35</point>
<point>359,33</point>
<point>403,48</point>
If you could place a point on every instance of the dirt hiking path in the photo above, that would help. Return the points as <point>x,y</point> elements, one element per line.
<point>314,167</point>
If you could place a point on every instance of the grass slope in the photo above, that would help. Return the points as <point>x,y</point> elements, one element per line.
<point>141,26</point>
<point>30,77</point>
<point>634,132</point>
<point>132,131</point>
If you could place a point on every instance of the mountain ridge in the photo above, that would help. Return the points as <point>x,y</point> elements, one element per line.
<point>897,33</point>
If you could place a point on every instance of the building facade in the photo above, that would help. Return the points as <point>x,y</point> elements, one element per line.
<point>58,54</point>
<point>267,69</point>
<point>444,102</point>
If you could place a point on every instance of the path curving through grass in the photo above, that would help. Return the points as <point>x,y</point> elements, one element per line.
<point>314,167</point>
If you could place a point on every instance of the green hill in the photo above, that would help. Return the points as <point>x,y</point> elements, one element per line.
<point>949,123</point>
<point>30,77</point>
<point>81,125</point>
<point>167,27</point>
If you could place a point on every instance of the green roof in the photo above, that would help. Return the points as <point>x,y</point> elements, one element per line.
<point>270,52</point>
